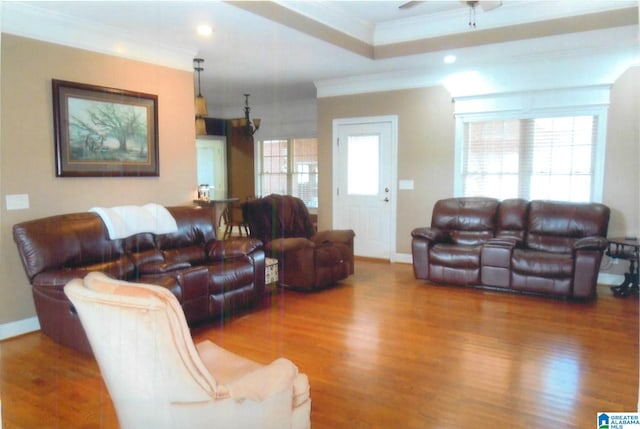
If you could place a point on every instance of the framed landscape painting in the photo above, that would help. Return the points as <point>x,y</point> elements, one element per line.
<point>103,131</point>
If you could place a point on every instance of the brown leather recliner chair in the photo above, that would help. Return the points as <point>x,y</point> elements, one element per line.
<point>306,259</point>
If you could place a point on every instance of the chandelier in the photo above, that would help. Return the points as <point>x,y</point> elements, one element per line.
<point>247,125</point>
<point>201,103</point>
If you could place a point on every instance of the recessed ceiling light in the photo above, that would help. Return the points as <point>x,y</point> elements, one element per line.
<point>205,30</point>
<point>450,59</point>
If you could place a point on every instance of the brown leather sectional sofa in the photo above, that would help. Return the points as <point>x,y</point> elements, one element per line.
<point>541,247</point>
<point>211,278</point>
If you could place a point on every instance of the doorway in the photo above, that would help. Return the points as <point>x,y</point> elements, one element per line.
<point>211,155</point>
<point>365,176</point>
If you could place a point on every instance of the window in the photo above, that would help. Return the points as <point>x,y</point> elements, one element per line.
<point>290,167</point>
<point>554,153</point>
<point>540,158</point>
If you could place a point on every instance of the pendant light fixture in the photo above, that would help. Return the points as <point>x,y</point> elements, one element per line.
<point>200,103</point>
<point>247,125</point>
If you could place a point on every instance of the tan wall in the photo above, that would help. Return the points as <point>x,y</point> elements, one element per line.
<point>27,145</point>
<point>426,152</point>
<point>621,179</point>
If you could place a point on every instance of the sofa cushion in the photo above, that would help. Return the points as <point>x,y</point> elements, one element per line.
<point>230,275</point>
<point>194,255</point>
<point>512,218</point>
<point>194,227</point>
<point>542,264</point>
<point>469,221</point>
<point>455,256</point>
<point>555,286</point>
<point>64,241</point>
<point>555,226</point>
<point>141,248</point>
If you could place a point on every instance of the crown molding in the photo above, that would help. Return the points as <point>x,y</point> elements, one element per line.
<point>563,68</point>
<point>379,82</point>
<point>24,20</point>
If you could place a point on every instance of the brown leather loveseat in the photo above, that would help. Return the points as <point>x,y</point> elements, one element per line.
<point>307,259</point>
<point>542,247</point>
<point>211,278</point>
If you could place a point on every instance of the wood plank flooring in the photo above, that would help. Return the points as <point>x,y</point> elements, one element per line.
<point>383,350</point>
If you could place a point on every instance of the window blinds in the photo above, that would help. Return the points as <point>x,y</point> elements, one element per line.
<point>533,158</point>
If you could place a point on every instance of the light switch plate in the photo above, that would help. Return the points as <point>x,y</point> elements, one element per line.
<point>17,201</point>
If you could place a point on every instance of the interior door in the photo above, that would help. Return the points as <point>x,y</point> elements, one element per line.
<point>365,177</point>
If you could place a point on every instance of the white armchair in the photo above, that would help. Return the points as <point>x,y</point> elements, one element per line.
<point>158,378</point>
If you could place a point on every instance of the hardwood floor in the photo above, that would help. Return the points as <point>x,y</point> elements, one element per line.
<point>383,350</point>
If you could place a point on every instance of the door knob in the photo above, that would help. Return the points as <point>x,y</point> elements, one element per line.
<point>386,199</point>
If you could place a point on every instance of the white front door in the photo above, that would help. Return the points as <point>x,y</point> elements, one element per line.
<point>364,179</point>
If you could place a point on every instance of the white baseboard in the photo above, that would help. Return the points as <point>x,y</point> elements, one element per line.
<point>404,258</point>
<point>19,327</point>
<point>610,279</point>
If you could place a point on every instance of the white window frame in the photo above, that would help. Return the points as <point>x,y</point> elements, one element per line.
<point>584,101</point>
<point>259,167</point>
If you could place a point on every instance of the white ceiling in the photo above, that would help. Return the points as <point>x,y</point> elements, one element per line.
<point>292,50</point>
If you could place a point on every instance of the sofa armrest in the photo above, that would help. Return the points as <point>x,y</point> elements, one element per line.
<point>591,243</point>
<point>162,267</point>
<point>431,234</point>
<point>333,236</point>
<point>240,378</point>
<point>219,250</point>
<point>284,245</point>
<point>120,268</point>
<point>259,384</point>
<point>56,279</point>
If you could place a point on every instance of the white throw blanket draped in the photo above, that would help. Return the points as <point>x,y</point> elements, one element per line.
<point>125,221</point>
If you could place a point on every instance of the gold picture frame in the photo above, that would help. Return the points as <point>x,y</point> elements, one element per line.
<point>101,131</point>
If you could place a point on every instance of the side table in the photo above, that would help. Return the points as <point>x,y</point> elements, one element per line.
<point>271,272</point>
<point>625,248</point>
<point>217,208</point>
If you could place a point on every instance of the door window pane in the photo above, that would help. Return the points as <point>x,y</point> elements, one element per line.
<point>363,158</point>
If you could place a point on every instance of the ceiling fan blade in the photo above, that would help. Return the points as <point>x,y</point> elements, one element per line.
<point>409,4</point>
